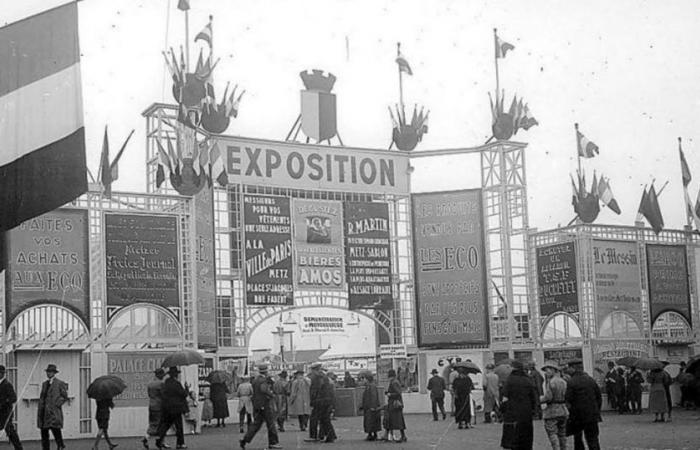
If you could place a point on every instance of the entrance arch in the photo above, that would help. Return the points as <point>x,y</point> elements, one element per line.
<point>619,324</point>
<point>144,323</point>
<point>561,327</point>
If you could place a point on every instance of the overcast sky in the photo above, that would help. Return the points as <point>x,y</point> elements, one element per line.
<point>627,71</point>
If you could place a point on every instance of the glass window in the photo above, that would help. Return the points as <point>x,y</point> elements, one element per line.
<point>619,324</point>
<point>561,326</point>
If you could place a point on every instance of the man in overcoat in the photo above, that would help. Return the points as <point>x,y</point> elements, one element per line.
<point>263,410</point>
<point>54,393</point>
<point>174,405</point>
<point>584,400</point>
<point>155,402</point>
<point>8,398</point>
<point>436,386</point>
<point>520,400</point>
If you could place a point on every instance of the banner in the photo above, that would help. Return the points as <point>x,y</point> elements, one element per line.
<point>605,351</point>
<point>48,262</point>
<point>562,355</point>
<point>448,250</point>
<point>204,268</point>
<point>312,324</point>
<point>617,279</point>
<point>667,269</point>
<point>268,250</point>
<point>318,245</point>
<point>368,255</point>
<point>142,260</point>
<point>137,370</point>
<point>557,286</point>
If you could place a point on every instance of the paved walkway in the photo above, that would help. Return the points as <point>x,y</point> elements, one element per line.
<point>617,433</point>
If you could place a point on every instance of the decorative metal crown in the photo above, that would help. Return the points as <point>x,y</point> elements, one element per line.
<point>317,81</point>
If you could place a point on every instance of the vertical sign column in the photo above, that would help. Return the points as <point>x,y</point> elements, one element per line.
<point>617,279</point>
<point>668,281</point>
<point>205,277</point>
<point>556,279</point>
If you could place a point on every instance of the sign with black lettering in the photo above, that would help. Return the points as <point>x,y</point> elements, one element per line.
<point>667,267</point>
<point>449,262</point>
<point>268,250</point>
<point>563,355</point>
<point>141,260</point>
<point>557,285</point>
<point>368,255</point>
<point>318,245</point>
<point>618,285</point>
<point>137,370</point>
<point>47,262</point>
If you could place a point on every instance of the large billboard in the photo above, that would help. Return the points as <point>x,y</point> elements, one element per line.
<point>450,268</point>
<point>318,245</point>
<point>617,279</point>
<point>667,269</point>
<point>137,370</point>
<point>557,286</point>
<point>141,260</point>
<point>268,250</point>
<point>368,255</point>
<point>48,262</point>
<point>204,268</point>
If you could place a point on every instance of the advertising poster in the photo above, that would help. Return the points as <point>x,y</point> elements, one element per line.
<point>448,249</point>
<point>441,361</point>
<point>563,355</point>
<point>204,267</point>
<point>268,250</point>
<point>556,279</point>
<point>318,245</point>
<point>137,370</point>
<point>368,255</point>
<point>668,280</point>
<point>141,260</point>
<point>48,262</point>
<point>617,279</point>
<point>325,324</point>
<point>611,350</point>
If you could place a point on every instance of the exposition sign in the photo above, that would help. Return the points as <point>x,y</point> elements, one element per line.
<point>48,262</point>
<point>667,269</point>
<point>451,297</point>
<point>268,250</point>
<point>556,279</point>
<point>617,279</point>
<point>204,268</point>
<point>141,260</point>
<point>304,166</point>
<point>318,245</point>
<point>137,370</point>
<point>326,324</point>
<point>368,255</point>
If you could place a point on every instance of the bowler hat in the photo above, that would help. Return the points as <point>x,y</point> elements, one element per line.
<point>551,364</point>
<point>173,371</point>
<point>51,368</point>
<point>434,371</point>
<point>159,372</point>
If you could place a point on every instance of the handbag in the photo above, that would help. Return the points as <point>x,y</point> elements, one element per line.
<point>395,404</point>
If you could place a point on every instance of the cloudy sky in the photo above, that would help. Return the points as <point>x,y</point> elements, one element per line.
<point>627,71</point>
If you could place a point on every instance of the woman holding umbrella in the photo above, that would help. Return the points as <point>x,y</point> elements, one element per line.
<point>218,390</point>
<point>462,387</point>
<point>103,390</point>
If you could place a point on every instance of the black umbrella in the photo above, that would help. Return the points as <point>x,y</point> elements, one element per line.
<point>184,357</point>
<point>627,361</point>
<point>219,376</point>
<point>106,387</point>
<point>649,364</point>
<point>468,366</point>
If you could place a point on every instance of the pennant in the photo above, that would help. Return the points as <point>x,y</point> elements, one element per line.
<point>42,161</point>
<point>502,47</point>
<point>394,123</point>
<point>206,34</point>
<point>586,148</point>
<point>114,167</point>
<point>685,170</point>
<point>691,210</point>
<point>642,203</point>
<point>425,122</point>
<point>160,175</point>
<point>183,5</point>
<point>606,196</point>
<point>105,172</point>
<point>652,211</point>
<point>528,120</point>
<point>403,64</point>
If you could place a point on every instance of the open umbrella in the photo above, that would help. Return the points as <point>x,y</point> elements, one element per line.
<point>219,376</point>
<point>627,361</point>
<point>468,366</point>
<point>649,364</point>
<point>693,366</point>
<point>184,357</point>
<point>106,387</point>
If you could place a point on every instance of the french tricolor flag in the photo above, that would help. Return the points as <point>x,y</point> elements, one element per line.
<point>42,138</point>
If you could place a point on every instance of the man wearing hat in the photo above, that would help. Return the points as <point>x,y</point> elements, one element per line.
<point>263,410</point>
<point>436,386</point>
<point>555,413</point>
<point>155,401</point>
<point>173,406</point>
<point>320,425</point>
<point>54,393</point>
<point>584,399</point>
<point>491,393</point>
<point>8,398</point>
<point>519,403</point>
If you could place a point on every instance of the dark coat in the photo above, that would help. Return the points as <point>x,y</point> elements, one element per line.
<point>321,391</point>
<point>8,397</point>
<point>51,400</point>
<point>522,398</point>
<point>371,409</point>
<point>584,399</point>
<point>262,392</point>
<point>219,400</point>
<point>174,397</point>
<point>436,386</point>
<point>394,415</point>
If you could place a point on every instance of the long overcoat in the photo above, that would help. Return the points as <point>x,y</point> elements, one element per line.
<point>53,396</point>
<point>300,397</point>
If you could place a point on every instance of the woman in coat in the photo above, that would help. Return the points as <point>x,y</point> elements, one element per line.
<point>462,387</point>
<point>658,403</point>
<point>519,402</point>
<point>371,407</point>
<point>219,401</point>
<point>394,410</point>
<point>245,402</point>
<point>300,399</point>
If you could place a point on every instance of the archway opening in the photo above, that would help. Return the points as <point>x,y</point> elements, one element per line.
<point>619,324</point>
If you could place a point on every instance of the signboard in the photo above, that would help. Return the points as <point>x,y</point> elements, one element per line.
<point>304,166</point>
<point>617,279</point>
<point>392,351</point>
<point>268,250</point>
<point>451,295</point>
<point>326,324</point>
<point>368,256</point>
<point>667,269</point>
<point>318,245</point>
<point>441,361</point>
<point>48,262</point>
<point>137,370</point>
<point>611,350</point>
<point>557,286</point>
<point>204,268</point>
<point>563,355</point>
<point>141,260</point>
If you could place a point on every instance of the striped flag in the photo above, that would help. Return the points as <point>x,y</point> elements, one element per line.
<point>586,148</point>
<point>685,170</point>
<point>403,63</point>
<point>42,157</point>
<point>606,196</point>
<point>502,46</point>
<point>206,34</point>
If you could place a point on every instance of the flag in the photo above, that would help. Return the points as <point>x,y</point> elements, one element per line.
<point>114,166</point>
<point>42,155</point>
<point>697,206</point>
<point>394,123</point>
<point>216,166</point>
<point>685,170</point>
<point>403,64</point>
<point>206,34</point>
<point>586,148</point>
<point>652,212</point>
<point>606,196</point>
<point>502,46</point>
<point>163,161</point>
<point>105,172</point>
<point>183,5</point>
<point>642,203</point>
<point>691,210</point>
<point>528,120</point>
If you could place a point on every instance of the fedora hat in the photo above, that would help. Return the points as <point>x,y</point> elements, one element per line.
<point>263,368</point>
<point>316,365</point>
<point>551,364</point>
<point>51,368</point>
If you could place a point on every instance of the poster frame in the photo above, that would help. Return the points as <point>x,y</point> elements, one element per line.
<point>686,279</point>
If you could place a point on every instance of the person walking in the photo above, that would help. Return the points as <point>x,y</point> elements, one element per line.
<point>668,380</point>
<point>491,393</point>
<point>538,381</point>
<point>174,405</point>
<point>155,404</point>
<point>244,392</point>
<point>263,412</point>
<point>54,393</point>
<point>584,401</point>
<point>634,390</point>
<point>611,381</point>
<point>299,399</point>
<point>621,391</point>
<point>219,401</point>
<point>519,403</point>
<point>371,407</point>
<point>555,413</point>
<point>394,414</point>
<point>462,387</point>
<point>281,390</point>
<point>436,386</point>
<point>658,403</point>
<point>102,418</point>
<point>321,397</point>
<point>8,397</point>
<point>349,381</point>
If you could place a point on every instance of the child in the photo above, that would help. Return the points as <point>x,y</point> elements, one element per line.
<point>192,414</point>
<point>102,418</point>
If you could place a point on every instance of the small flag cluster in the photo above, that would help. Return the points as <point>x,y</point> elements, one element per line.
<point>407,135</point>
<point>506,124</point>
<point>109,171</point>
<point>206,162</point>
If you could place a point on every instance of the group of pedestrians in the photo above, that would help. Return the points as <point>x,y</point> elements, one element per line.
<point>624,389</point>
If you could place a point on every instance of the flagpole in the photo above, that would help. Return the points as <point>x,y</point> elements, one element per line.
<point>398,54</point>
<point>495,60</point>
<point>187,40</point>
<point>686,197</point>
<point>578,153</point>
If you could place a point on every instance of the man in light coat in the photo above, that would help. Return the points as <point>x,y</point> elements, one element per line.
<point>491,392</point>
<point>155,400</point>
<point>54,393</point>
